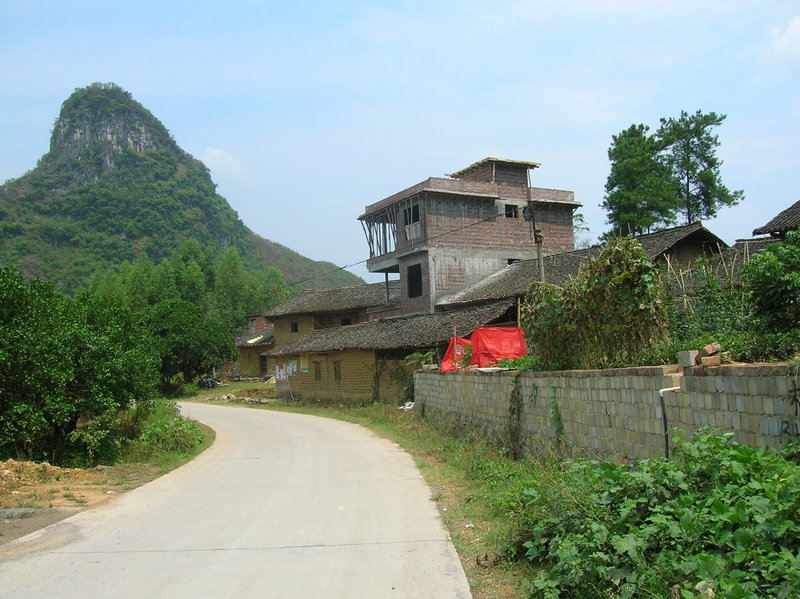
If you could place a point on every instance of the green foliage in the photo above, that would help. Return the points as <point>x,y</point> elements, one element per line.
<point>654,178</point>
<point>689,153</point>
<point>721,514</point>
<point>69,367</point>
<point>159,430</point>
<point>773,276</point>
<point>639,193</point>
<point>713,304</point>
<point>189,341</point>
<point>611,312</point>
<point>191,301</point>
<point>523,363</point>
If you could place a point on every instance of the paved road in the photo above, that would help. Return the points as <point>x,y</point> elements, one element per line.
<point>282,505</point>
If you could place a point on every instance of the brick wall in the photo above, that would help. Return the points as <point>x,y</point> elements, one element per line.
<point>617,413</point>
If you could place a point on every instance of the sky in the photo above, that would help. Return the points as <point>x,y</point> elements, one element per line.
<point>305,112</point>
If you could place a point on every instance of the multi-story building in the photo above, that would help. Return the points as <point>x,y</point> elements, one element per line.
<point>443,234</point>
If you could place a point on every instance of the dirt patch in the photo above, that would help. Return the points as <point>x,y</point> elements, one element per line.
<point>34,495</point>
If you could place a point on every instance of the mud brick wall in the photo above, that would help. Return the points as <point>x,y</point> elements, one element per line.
<point>616,413</point>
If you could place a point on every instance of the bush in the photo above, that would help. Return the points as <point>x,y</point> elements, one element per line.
<point>721,516</point>
<point>612,311</point>
<point>163,429</point>
<point>773,276</point>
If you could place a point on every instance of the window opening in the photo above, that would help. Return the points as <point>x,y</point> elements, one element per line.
<point>411,214</point>
<point>414,280</point>
<point>512,211</point>
<point>317,371</point>
<point>294,327</point>
<point>337,370</point>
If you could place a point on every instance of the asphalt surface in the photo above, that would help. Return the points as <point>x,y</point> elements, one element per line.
<point>282,505</point>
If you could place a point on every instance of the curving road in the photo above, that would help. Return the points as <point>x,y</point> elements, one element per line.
<point>281,506</point>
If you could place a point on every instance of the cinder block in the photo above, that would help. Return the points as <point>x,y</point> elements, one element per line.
<point>687,358</point>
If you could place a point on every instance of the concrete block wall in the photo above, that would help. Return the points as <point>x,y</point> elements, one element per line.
<point>616,413</point>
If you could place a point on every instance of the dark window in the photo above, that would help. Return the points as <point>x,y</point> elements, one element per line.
<point>512,260</point>
<point>252,325</point>
<point>295,327</point>
<point>317,371</point>
<point>346,321</point>
<point>414,280</point>
<point>411,214</point>
<point>337,370</point>
<point>512,211</point>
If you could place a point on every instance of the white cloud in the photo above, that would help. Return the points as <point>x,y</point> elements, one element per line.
<point>786,45</point>
<point>221,163</point>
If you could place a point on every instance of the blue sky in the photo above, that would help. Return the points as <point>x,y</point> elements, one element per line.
<point>306,112</point>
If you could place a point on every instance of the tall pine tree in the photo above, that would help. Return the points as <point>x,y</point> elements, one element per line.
<point>656,179</point>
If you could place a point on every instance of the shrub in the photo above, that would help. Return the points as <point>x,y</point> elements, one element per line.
<point>720,516</point>
<point>165,430</point>
<point>773,276</point>
<point>612,311</point>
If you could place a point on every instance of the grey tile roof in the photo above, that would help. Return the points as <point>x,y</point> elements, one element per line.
<point>261,337</point>
<point>739,253</point>
<point>787,220</point>
<point>659,242</point>
<point>312,301</point>
<point>515,279</point>
<point>407,332</point>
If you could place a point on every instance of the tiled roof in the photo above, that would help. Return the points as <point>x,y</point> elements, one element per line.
<point>263,336</point>
<point>740,252</point>
<point>659,242</point>
<point>408,332</point>
<point>312,301</point>
<point>785,221</point>
<point>515,279</point>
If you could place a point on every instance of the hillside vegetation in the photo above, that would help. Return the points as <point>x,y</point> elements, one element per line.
<point>115,186</point>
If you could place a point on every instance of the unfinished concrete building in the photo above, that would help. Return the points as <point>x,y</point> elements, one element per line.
<point>445,233</point>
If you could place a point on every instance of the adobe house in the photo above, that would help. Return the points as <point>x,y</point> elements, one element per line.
<point>445,233</point>
<point>437,236</point>
<point>314,309</point>
<point>366,362</point>
<point>250,345</point>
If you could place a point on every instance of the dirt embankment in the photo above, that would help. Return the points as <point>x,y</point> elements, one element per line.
<point>35,495</point>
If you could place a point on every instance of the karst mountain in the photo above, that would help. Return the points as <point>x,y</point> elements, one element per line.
<point>115,186</point>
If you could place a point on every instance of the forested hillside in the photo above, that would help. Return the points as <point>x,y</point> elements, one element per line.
<point>115,186</point>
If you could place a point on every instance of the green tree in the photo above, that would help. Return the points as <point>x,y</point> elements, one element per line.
<point>230,288</point>
<point>654,179</point>
<point>639,193</point>
<point>65,361</point>
<point>190,342</point>
<point>689,151</point>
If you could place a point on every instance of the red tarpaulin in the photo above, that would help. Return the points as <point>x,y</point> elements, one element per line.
<point>491,344</point>
<point>454,356</point>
